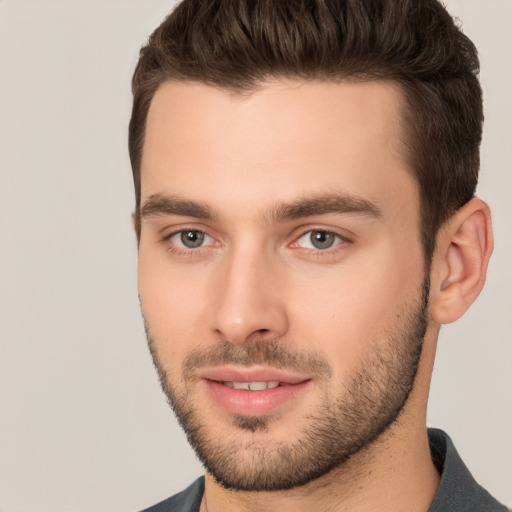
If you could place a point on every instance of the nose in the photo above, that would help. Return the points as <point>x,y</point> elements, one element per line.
<point>249,301</point>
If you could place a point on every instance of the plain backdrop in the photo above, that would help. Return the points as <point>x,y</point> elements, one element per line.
<point>84,426</point>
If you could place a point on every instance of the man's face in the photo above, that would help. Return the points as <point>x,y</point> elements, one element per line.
<point>280,273</point>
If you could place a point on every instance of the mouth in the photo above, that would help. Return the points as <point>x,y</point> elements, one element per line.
<point>253,391</point>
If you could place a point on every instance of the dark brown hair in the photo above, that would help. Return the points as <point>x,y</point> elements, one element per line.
<point>238,44</point>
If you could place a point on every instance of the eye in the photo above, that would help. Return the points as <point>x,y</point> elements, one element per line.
<point>190,238</point>
<point>318,239</point>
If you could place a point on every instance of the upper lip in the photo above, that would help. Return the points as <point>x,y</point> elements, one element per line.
<point>251,374</point>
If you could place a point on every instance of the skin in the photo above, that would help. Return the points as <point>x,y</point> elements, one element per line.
<point>258,278</point>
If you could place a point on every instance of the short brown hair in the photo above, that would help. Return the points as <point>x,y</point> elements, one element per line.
<point>239,44</point>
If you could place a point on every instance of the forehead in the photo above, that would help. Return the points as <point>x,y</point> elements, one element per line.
<point>284,140</point>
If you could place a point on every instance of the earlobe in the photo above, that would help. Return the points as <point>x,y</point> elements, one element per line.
<point>464,246</point>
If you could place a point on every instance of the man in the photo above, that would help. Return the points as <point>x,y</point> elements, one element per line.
<point>305,175</point>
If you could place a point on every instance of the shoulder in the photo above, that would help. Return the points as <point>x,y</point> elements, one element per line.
<point>188,500</point>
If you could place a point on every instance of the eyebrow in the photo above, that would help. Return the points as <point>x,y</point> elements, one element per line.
<point>340,203</point>
<point>337,203</point>
<point>159,204</point>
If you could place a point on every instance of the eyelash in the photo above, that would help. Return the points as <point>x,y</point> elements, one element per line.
<point>183,251</point>
<point>342,242</point>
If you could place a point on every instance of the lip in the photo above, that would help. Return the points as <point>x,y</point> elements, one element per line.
<point>252,403</point>
<point>251,374</point>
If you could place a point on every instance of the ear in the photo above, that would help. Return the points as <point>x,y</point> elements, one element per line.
<point>136,226</point>
<point>464,246</point>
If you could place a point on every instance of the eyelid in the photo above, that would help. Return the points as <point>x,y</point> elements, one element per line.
<point>185,227</point>
<point>333,231</point>
<point>179,247</point>
<point>344,239</point>
<point>338,239</point>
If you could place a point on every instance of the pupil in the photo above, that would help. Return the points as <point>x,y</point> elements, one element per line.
<point>322,239</point>
<point>192,239</point>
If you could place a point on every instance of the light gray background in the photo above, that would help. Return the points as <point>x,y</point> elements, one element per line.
<point>83,424</point>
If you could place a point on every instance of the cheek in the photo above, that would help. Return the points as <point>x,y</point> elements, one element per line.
<point>170,304</point>
<point>355,307</point>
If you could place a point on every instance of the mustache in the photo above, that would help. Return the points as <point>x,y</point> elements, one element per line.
<point>270,353</point>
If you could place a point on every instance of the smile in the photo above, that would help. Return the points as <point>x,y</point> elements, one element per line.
<point>235,393</point>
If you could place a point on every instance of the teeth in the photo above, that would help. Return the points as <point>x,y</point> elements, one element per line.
<point>257,386</point>
<point>252,386</point>
<point>241,385</point>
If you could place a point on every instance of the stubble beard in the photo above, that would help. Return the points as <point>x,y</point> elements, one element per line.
<point>338,427</point>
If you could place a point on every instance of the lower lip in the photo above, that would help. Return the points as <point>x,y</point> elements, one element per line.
<point>253,403</point>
